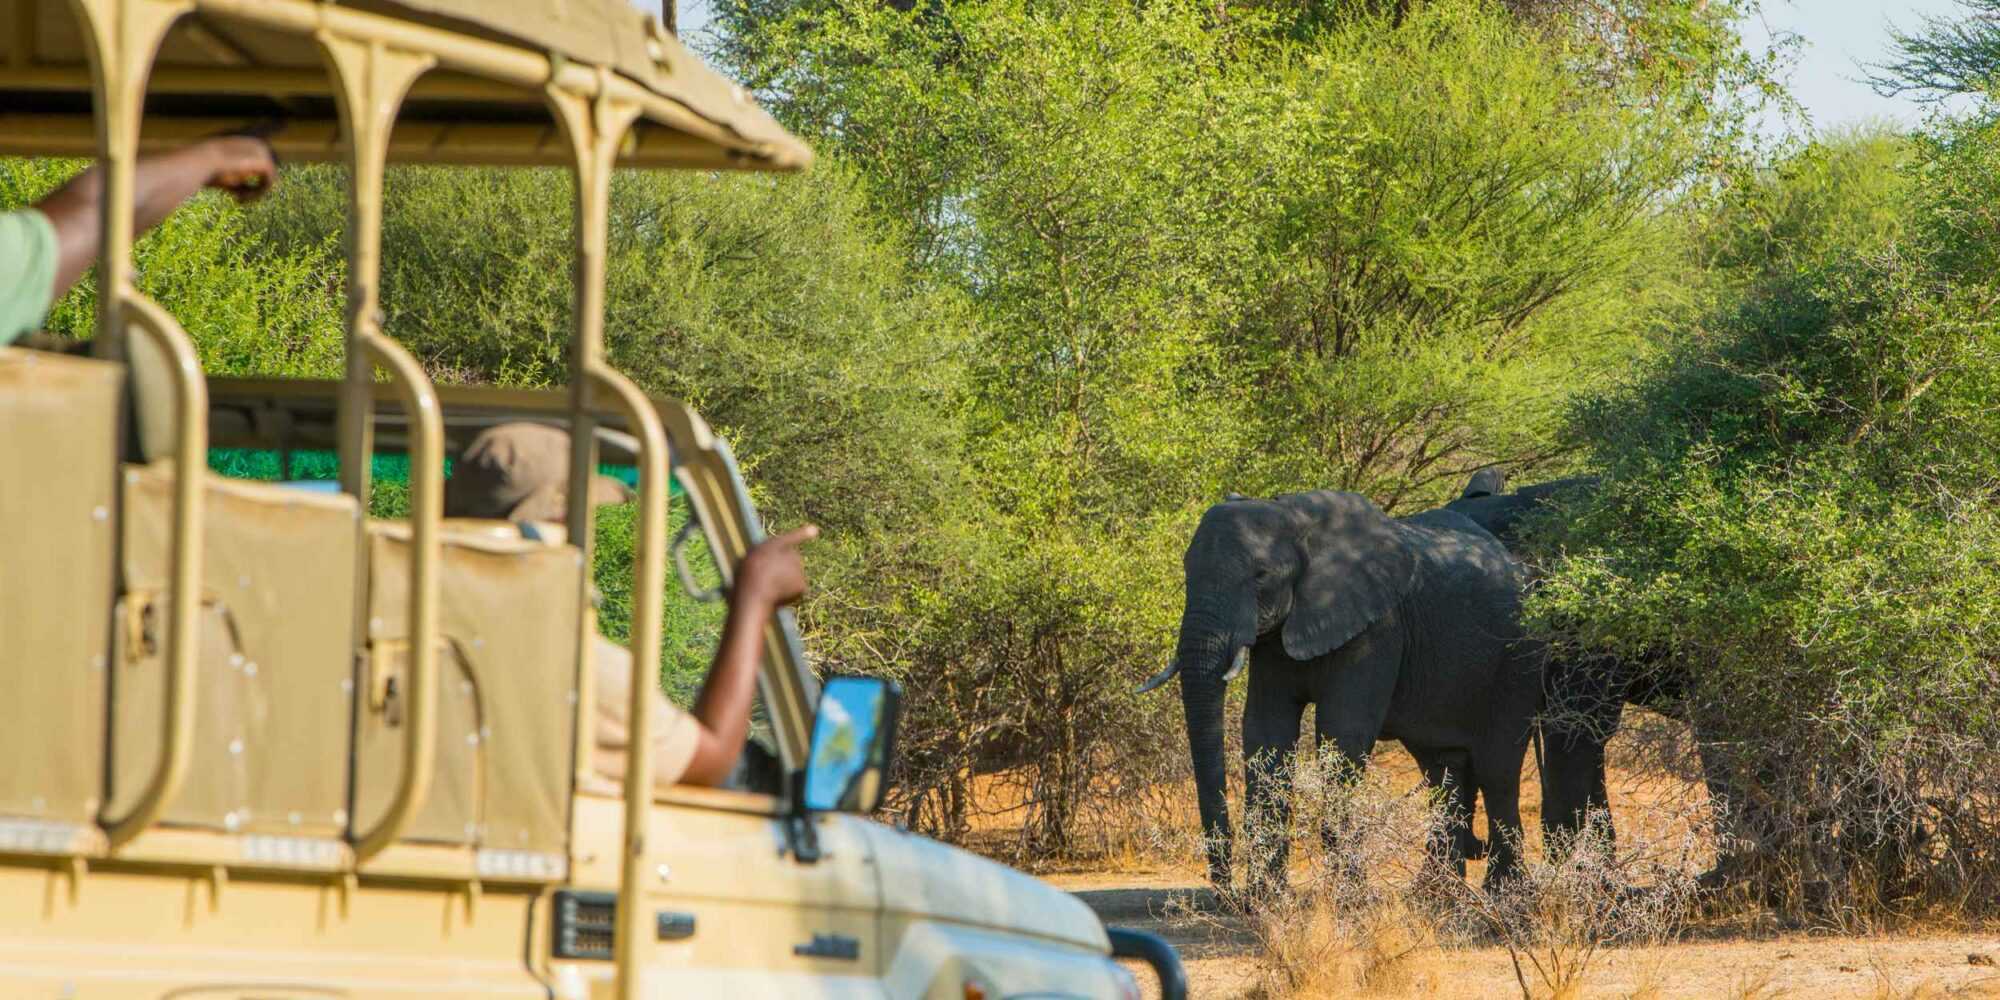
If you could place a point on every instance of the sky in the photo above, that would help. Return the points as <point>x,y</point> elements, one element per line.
<point>1836,38</point>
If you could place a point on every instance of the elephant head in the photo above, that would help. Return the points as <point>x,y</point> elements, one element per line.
<point>1487,482</point>
<point>1314,569</point>
<point>1500,513</point>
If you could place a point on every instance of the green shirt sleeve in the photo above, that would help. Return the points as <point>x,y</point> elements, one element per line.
<point>27,272</point>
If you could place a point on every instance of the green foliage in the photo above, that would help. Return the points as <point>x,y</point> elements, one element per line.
<point>1207,247</point>
<point>248,310</point>
<point>1214,254</point>
<point>1799,507</point>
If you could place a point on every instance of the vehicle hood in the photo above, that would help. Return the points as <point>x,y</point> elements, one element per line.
<point>922,878</point>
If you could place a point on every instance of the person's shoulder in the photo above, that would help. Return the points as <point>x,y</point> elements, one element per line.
<point>28,223</point>
<point>28,252</point>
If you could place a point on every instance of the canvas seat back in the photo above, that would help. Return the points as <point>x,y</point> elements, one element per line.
<point>274,664</point>
<point>509,613</point>
<point>58,506</point>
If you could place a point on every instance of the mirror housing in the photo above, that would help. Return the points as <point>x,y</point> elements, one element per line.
<point>853,740</point>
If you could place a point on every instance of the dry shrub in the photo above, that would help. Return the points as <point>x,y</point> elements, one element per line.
<point>1312,947</point>
<point>1367,911</point>
<point>1022,730</point>
<point>1348,924</point>
<point>1562,911</point>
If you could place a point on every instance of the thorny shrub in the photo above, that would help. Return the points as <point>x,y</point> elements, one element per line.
<point>1368,911</point>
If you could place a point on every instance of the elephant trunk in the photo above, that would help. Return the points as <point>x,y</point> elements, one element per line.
<point>1204,654</point>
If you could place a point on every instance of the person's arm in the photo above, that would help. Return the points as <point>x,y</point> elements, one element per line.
<point>237,164</point>
<point>772,576</point>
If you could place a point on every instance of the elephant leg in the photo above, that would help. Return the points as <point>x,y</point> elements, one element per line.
<point>1499,755</point>
<point>1271,716</point>
<point>1497,772</point>
<point>1351,745</point>
<point>1450,772</point>
<point>1583,707</point>
<point>1748,823</point>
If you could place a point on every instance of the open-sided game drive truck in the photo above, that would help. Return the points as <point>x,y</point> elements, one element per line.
<point>258,744</point>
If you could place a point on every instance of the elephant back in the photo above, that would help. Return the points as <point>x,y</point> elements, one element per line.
<point>1459,552</point>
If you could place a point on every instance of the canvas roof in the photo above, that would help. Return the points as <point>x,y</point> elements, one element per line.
<point>231,62</point>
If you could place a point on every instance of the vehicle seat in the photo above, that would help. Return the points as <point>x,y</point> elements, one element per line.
<point>275,658</point>
<point>508,619</point>
<point>58,497</point>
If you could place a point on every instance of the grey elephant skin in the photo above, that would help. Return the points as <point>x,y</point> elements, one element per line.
<point>1584,698</point>
<point>1402,628</point>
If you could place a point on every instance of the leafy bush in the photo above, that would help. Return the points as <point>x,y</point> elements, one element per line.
<point>248,310</point>
<point>1799,512</point>
<point>1202,251</point>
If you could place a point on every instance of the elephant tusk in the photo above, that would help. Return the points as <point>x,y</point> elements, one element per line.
<point>1242,660</point>
<point>1161,678</point>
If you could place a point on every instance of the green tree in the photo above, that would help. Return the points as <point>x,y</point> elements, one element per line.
<point>1798,513</point>
<point>1205,248</point>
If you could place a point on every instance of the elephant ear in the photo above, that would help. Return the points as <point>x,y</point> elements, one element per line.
<point>1357,567</point>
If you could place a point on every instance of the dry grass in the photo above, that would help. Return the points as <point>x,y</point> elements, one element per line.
<point>1360,920</point>
<point>1319,950</point>
<point>1756,984</point>
<point>1366,912</point>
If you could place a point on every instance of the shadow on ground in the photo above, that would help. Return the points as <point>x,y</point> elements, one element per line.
<point>1166,912</point>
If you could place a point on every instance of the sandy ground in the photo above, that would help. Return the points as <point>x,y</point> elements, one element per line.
<point>1800,967</point>
<point>1716,963</point>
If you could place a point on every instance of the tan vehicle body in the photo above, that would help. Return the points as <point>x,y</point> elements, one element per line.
<point>261,746</point>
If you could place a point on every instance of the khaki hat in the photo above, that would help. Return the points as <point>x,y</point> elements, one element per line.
<point>520,472</point>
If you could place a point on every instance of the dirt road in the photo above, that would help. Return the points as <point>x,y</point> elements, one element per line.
<point>1223,964</point>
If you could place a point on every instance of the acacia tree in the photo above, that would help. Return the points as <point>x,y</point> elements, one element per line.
<point>1946,57</point>
<point>1204,247</point>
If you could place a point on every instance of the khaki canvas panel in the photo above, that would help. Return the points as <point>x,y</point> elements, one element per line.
<point>275,660</point>
<point>58,483</point>
<point>450,813</point>
<point>509,610</point>
<point>612,33</point>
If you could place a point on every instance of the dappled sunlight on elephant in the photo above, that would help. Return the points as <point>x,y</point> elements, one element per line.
<point>1400,628</point>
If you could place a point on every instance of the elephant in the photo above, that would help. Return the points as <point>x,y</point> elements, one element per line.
<point>1401,628</point>
<point>1584,697</point>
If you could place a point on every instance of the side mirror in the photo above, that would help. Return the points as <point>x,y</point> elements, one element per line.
<point>854,733</point>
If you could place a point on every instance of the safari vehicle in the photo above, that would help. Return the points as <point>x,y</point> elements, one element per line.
<point>260,745</point>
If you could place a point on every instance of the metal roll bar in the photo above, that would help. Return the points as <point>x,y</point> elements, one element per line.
<point>123,40</point>
<point>373,78</point>
<point>649,583</point>
<point>426,451</point>
<point>596,127</point>
<point>184,561</point>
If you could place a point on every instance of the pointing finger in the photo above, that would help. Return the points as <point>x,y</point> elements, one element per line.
<point>799,536</point>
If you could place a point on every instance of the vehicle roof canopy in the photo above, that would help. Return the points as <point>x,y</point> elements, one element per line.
<point>227,62</point>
